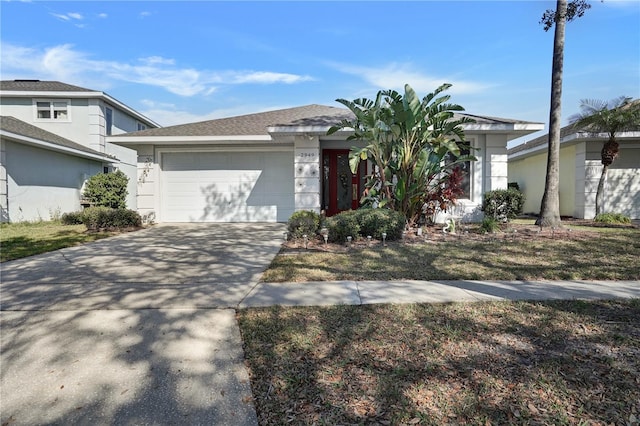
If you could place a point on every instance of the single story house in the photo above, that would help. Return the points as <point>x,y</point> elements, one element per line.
<point>580,170</point>
<point>262,167</point>
<point>44,117</point>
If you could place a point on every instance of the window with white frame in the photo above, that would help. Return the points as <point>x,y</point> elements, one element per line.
<point>108,116</point>
<point>52,110</point>
<point>141,126</point>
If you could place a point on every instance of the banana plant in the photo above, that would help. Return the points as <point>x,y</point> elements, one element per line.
<point>407,140</point>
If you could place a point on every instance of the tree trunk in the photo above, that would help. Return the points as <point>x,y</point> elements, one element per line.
<point>600,191</point>
<point>608,154</point>
<point>550,206</point>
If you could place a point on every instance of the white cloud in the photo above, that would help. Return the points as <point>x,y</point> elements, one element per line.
<point>268,78</point>
<point>151,60</point>
<point>103,15</point>
<point>64,63</point>
<point>395,76</point>
<point>68,16</point>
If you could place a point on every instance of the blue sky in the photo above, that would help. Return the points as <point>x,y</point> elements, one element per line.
<point>180,62</point>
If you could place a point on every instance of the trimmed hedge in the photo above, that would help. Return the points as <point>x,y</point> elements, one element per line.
<point>503,204</point>
<point>303,222</point>
<point>96,218</point>
<point>364,222</point>
<point>615,218</point>
<point>71,218</point>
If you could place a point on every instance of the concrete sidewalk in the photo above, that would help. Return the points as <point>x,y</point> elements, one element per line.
<point>370,292</point>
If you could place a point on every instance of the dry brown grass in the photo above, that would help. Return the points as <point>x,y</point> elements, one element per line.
<point>520,252</point>
<point>560,362</point>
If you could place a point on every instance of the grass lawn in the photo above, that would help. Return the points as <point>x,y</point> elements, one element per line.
<point>520,252</point>
<point>24,239</point>
<point>490,363</point>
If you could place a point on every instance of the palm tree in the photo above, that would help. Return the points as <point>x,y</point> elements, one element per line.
<point>612,117</point>
<point>565,12</point>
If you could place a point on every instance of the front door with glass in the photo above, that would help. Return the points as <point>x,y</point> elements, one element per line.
<point>341,189</point>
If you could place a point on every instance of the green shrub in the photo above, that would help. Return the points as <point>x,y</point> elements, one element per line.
<point>376,221</point>
<point>489,225</point>
<point>503,204</point>
<point>343,225</point>
<point>107,190</point>
<point>364,222</point>
<point>71,218</point>
<point>303,222</point>
<point>97,218</point>
<point>615,218</point>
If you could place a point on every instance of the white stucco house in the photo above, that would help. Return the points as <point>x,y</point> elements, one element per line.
<point>262,167</point>
<point>580,169</point>
<point>52,138</point>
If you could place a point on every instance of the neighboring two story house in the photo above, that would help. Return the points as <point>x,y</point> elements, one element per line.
<point>52,139</point>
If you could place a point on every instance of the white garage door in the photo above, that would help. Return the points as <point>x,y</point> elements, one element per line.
<point>227,186</point>
<point>622,191</point>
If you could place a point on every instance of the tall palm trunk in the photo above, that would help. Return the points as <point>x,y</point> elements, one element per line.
<point>550,206</point>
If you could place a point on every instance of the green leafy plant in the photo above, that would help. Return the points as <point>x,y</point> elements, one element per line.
<point>376,221</point>
<point>343,225</point>
<point>414,144</point>
<point>72,218</point>
<point>613,218</point>
<point>503,204</point>
<point>107,190</point>
<point>99,218</point>
<point>303,222</point>
<point>489,225</point>
<point>366,222</point>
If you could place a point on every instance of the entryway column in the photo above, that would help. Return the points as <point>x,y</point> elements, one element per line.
<point>307,173</point>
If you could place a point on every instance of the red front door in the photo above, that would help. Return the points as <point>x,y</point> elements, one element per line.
<point>341,189</point>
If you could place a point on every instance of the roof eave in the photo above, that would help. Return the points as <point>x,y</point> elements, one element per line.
<point>570,139</point>
<point>77,95</point>
<point>191,140</point>
<point>55,147</point>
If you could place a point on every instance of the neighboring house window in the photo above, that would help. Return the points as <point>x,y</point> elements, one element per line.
<point>141,126</point>
<point>52,110</point>
<point>108,115</point>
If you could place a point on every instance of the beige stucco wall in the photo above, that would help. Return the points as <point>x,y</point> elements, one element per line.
<point>530,174</point>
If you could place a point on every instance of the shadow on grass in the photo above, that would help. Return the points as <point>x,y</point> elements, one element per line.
<point>566,362</point>
<point>22,246</point>
<point>501,257</point>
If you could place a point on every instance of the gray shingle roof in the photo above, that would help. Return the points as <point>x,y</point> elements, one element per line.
<point>544,139</point>
<point>13,125</point>
<point>40,86</point>
<point>254,124</point>
<point>257,124</point>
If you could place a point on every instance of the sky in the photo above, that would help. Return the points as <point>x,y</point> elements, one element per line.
<point>179,62</point>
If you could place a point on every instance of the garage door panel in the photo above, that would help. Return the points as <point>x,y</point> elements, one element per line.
<point>227,187</point>
<point>622,192</point>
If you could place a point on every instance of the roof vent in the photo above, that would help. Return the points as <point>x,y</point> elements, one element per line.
<point>26,81</point>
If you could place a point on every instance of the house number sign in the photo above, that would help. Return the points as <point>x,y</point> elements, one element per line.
<point>307,155</point>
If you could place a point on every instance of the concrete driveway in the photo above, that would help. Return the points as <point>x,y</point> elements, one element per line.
<point>132,329</point>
